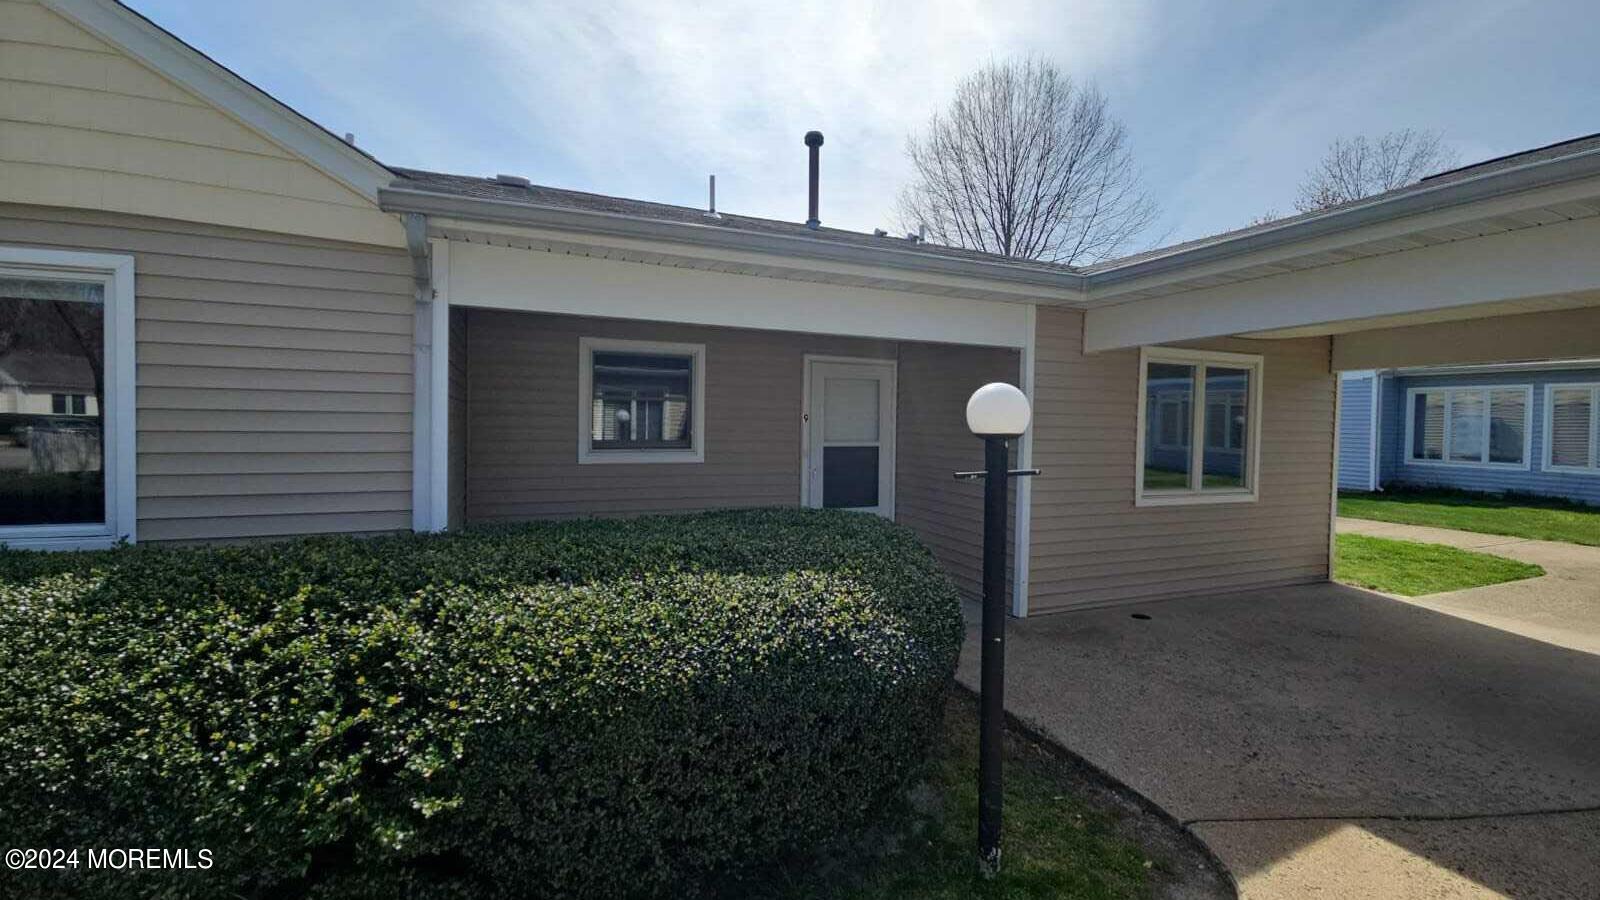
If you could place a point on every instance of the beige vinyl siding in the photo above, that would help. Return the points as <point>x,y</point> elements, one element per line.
<point>934,383</point>
<point>84,125</point>
<point>522,438</point>
<point>522,445</point>
<point>274,374</point>
<point>1092,546</point>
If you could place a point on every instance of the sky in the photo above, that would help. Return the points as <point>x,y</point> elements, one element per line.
<point>1226,104</point>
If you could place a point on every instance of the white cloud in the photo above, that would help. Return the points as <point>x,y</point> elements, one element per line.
<point>645,98</point>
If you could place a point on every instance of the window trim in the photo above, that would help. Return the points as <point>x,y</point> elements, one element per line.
<point>590,455</point>
<point>1593,469</point>
<point>116,272</point>
<point>1445,462</point>
<point>1198,495</point>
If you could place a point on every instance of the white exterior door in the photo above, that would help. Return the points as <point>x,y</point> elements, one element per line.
<point>849,457</point>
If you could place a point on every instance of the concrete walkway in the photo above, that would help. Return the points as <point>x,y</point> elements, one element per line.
<point>1330,742</point>
<point>1562,607</point>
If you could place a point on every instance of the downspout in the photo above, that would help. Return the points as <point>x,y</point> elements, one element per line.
<point>416,226</point>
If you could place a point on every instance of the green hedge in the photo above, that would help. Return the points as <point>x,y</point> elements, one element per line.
<point>658,706</point>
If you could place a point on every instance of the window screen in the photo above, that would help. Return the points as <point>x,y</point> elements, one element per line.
<point>642,401</point>
<point>52,391</point>
<point>1169,392</point>
<point>1508,425</point>
<point>1572,427</point>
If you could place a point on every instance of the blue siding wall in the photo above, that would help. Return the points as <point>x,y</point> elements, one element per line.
<point>1355,431</point>
<point>1395,470</point>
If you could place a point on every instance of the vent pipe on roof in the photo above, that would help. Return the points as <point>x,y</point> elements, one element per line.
<point>513,180</point>
<point>814,141</point>
<point>712,212</point>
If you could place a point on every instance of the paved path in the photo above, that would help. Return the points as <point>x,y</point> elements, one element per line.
<point>1562,607</point>
<point>1330,742</point>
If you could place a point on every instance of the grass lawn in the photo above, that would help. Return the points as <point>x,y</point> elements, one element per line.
<point>1056,843</point>
<point>1518,516</point>
<point>1412,570</point>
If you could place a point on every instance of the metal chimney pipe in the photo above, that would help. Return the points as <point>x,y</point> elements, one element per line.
<point>814,141</point>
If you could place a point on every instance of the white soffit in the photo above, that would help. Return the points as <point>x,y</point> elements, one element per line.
<point>1448,224</point>
<point>742,262</point>
<point>502,277</point>
<point>1455,314</point>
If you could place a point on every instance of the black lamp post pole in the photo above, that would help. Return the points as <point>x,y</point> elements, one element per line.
<point>991,721</point>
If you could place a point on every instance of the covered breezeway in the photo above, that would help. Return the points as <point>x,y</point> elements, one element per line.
<point>1324,740</point>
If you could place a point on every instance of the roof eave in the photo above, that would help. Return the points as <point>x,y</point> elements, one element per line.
<point>588,222</point>
<point>1459,192</point>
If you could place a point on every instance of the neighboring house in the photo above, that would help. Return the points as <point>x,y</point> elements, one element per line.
<point>1526,428</point>
<point>299,339</point>
<point>34,385</point>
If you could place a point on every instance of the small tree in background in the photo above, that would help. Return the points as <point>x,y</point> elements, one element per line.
<point>1026,164</point>
<point>1356,167</point>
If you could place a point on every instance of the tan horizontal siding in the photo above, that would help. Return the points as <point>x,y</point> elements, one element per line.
<point>521,396</point>
<point>522,419</point>
<point>273,380</point>
<point>84,125</point>
<point>1091,546</point>
<point>934,443</point>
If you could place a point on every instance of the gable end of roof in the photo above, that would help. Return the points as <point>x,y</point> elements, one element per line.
<point>188,67</point>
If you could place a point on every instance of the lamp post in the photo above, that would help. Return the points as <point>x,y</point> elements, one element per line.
<point>997,413</point>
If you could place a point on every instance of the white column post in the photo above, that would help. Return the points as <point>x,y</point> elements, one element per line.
<point>1024,512</point>
<point>439,397</point>
<point>430,409</point>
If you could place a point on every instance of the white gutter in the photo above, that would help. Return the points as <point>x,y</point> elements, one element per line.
<point>1423,198</point>
<point>580,221</point>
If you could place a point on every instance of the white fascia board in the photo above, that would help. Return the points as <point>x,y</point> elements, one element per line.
<point>1531,262</point>
<point>1499,193</point>
<point>1028,281</point>
<point>539,281</point>
<point>160,50</point>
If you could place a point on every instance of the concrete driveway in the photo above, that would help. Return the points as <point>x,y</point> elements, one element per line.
<point>1561,607</point>
<point>1330,742</point>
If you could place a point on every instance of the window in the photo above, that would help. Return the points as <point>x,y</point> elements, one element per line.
<point>1469,426</point>
<point>640,402</point>
<point>66,398</point>
<point>1183,393</point>
<point>1572,428</point>
<point>69,404</point>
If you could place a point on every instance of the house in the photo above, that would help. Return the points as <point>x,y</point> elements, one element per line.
<point>298,339</point>
<point>1523,428</point>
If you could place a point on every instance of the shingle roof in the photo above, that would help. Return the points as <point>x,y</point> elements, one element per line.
<point>34,370</point>
<point>541,195</point>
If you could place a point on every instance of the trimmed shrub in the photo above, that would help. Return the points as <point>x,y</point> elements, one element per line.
<point>656,706</point>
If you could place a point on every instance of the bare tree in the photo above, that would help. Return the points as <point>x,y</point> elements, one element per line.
<point>1357,167</point>
<point>1025,163</point>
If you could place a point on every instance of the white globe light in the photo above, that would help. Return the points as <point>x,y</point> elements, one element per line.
<point>998,409</point>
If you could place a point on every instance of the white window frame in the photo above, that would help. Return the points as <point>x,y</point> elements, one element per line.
<point>115,272</point>
<point>1482,462</point>
<point>1593,468</point>
<point>1195,493</point>
<point>588,454</point>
